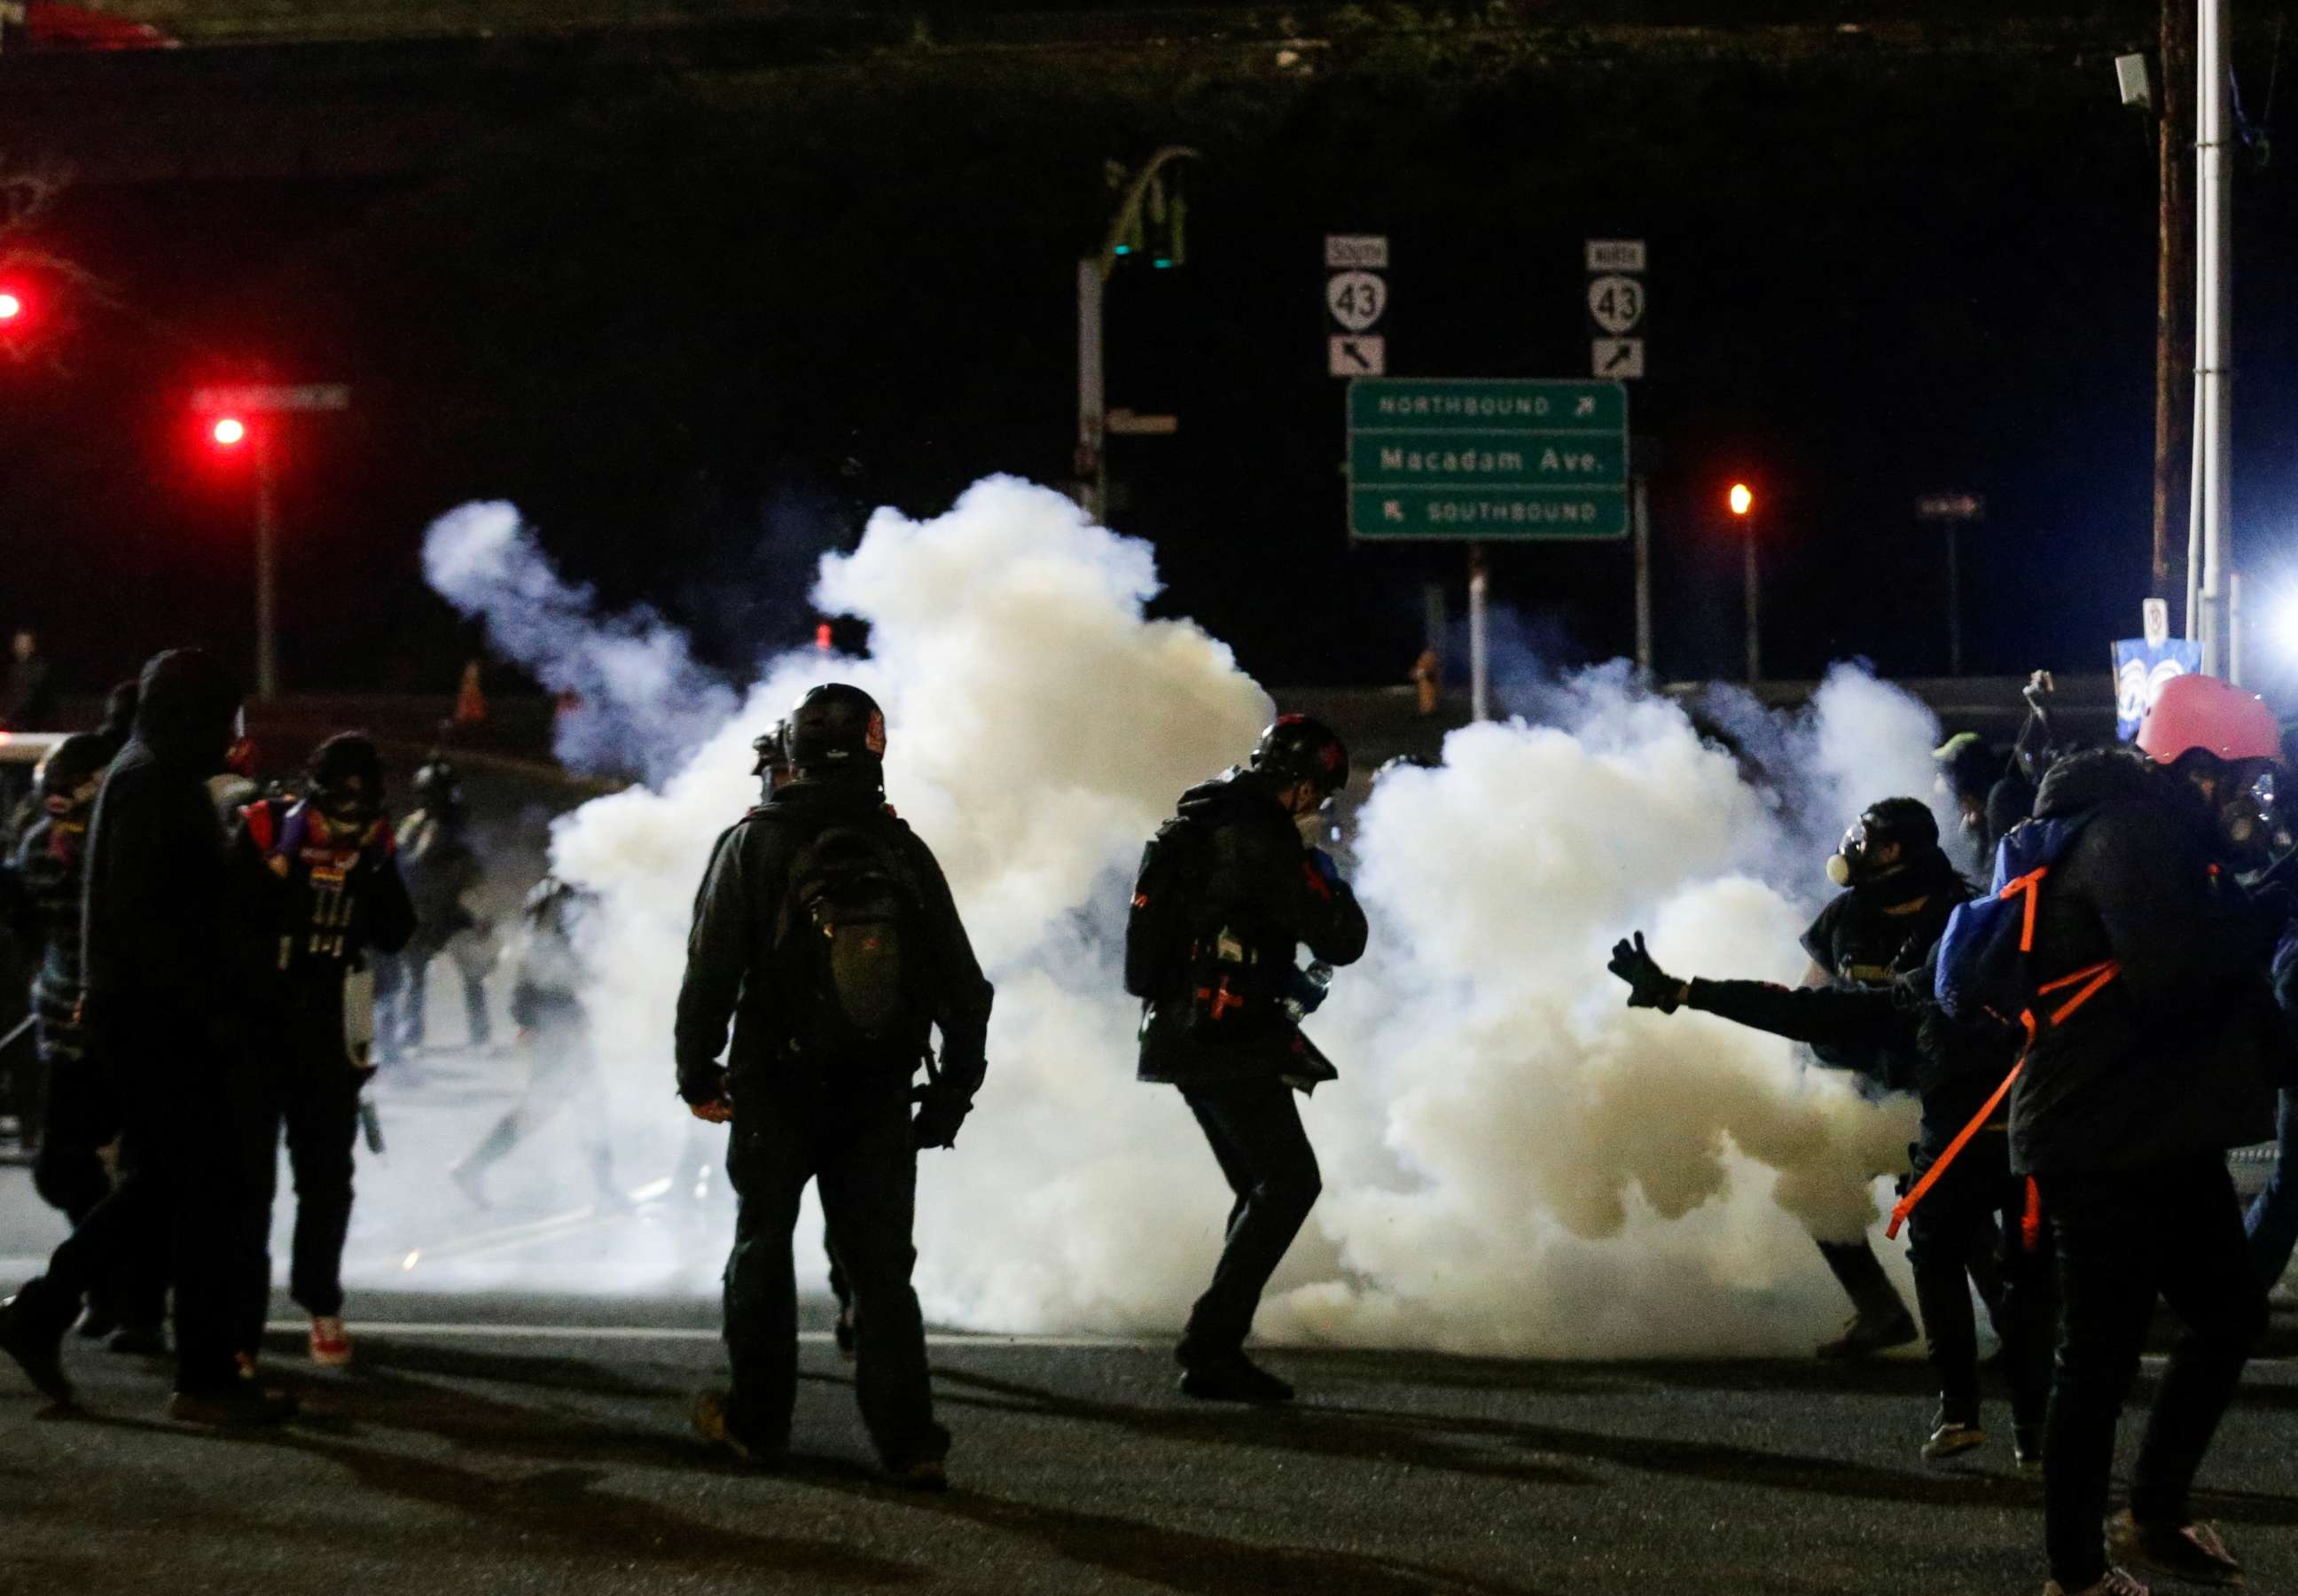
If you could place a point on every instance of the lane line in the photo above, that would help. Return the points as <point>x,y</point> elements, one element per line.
<point>493,1332</point>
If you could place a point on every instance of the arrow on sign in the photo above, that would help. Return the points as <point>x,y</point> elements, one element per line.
<point>1356,355</point>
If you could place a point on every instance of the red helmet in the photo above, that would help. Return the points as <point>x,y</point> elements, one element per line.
<point>2203,712</point>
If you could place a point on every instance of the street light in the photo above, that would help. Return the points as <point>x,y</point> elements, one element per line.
<point>1741,500</point>
<point>12,306</point>
<point>230,432</point>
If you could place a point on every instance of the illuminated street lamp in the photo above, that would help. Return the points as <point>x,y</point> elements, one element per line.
<point>230,432</point>
<point>1741,500</point>
<point>12,306</point>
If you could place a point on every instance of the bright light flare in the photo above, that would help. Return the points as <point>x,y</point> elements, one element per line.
<point>1743,498</point>
<point>230,431</point>
<point>12,306</point>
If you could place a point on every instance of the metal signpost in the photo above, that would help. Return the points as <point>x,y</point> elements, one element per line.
<point>266,399</point>
<point>1486,460</point>
<point>1950,512</point>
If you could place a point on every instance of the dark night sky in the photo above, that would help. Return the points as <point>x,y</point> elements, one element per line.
<point>662,318</point>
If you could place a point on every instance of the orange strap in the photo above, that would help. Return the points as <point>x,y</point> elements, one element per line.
<point>2091,981</point>
<point>2031,1222</point>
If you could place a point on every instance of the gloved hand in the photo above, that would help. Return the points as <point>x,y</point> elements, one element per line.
<point>1650,987</point>
<point>941,1111</point>
<point>704,1087</point>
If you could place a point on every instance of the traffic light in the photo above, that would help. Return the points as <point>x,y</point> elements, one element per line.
<point>12,306</point>
<point>228,432</point>
<point>1167,210</point>
<point>1742,498</point>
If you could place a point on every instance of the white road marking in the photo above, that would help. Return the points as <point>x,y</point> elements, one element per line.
<point>385,1328</point>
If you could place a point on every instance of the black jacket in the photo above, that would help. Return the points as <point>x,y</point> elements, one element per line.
<point>1260,882</point>
<point>1872,938</point>
<point>732,972</point>
<point>49,865</point>
<point>158,936</point>
<point>2181,1053</point>
<point>318,908</point>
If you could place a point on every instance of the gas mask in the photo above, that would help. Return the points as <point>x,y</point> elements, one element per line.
<point>349,806</point>
<point>2249,824</point>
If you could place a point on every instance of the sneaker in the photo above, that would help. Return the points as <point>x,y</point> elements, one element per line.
<point>927,1474</point>
<point>1233,1378</point>
<point>1871,1333</point>
<point>236,1407</point>
<point>2027,1448</point>
<point>139,1341</point>
<point>2114,1581</point>
<point>1952,1440</point>
<point>2188,1551</point>
<point>331,1343</point>
<point>36,1342</point>
<point>843,1331</point>
<point>714,1420</point>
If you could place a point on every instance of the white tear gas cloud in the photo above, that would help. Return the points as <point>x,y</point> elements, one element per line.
<point>1513,1162</point>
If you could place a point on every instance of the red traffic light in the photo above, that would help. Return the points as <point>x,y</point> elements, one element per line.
<point>1743,498</point>
<point>12,305</point>
<point>230,431</point>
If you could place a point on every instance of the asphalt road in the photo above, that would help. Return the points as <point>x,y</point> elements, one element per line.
<point>494,1443</point>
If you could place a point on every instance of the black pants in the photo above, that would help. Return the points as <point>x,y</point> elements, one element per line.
<point>1979,1203</point>
<point>81,1121</point>
<point>2123,1237</point>
<point>855,1143</point>
<point>412,984</point>
<point>315,1098</point>
<point>1255,1131</point>
<point>194,1181</point>
<point>1860,1273</point>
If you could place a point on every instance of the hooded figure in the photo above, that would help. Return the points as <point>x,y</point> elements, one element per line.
<point>167,1009</point>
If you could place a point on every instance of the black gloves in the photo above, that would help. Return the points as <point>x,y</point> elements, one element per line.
<point>942,1108</point>
<point>702,1085</point>
<point>1650,987</point>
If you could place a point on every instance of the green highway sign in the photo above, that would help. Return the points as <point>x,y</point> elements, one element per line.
<point>1493,459</point>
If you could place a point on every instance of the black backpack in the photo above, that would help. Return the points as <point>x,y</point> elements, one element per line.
<point>1158,928</point>
<point>846,936</point>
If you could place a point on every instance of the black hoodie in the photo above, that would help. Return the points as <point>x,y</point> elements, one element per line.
<point>2180,1053</point>
<point>156,919</point>
<point>1259,882</point>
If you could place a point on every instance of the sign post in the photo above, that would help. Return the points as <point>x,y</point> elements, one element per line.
<point>1489,461</point>
<point>1950,512</point>
<point>1356,297</point>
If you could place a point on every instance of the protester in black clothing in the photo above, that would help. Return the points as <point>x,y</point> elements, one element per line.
<point>165,1014</point>
<point>331,896</point>
<point>2127,1101</point>
<point>1251,892</point>
<point>1892,1022</point>
<point>119,722</point>
<point>442,870</point>
<point>825,930</point>
<point>1968,767</point>
<point>546,1005</point>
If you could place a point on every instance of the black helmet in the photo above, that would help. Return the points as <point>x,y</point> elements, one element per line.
<point>346,776</point>
<point>1905,821</point>
<point>1967,766</point>
<point>69,776</point>
<point>1300,747</point>
<point>835,727</point>
<point>771,750</point>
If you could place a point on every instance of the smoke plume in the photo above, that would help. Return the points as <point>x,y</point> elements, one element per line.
<point>1513,1162</point>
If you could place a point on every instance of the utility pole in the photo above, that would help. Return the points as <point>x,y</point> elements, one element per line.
<point>267,582</point>
<point>2174,276</point>
<point>2213,326</point>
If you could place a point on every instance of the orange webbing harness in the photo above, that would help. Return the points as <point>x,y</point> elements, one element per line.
<point>2088,983</point>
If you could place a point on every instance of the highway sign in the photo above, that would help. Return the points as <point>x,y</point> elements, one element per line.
<point>270,397</point>
<point>1615,254</point>
<point>1356,298</point>
<point>1616,302</point>
<point>1356,354</point>
<point>1356,251</point>
<point>1617,358</point>
<point>1492,460</point>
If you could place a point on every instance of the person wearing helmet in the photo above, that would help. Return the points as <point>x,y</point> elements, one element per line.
<point>330,898</point>
<point>1252,889</point>
<point>1876,1016</point>
<point>442,871</point>
<point>2128,1101</point>
<point>1968,770</point>
<point>825,932</point>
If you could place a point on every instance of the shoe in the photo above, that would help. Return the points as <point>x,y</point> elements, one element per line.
<point>1869,1333</point>
<point>1952,1440</point>
<point>36,1346</point>
<point>714,1420</point>
<point>843,1331</point>
<point>139,1341</point>
<point>1234,1378</point>
<point>2187,1552</point>
<point>927,1474</point>
<point>2114,1581</point>
<point>236,1407</point>
<point>472,1185</point>
<point>2027,1448</point>
<point>331,1343</point>
<point>98,1322</point>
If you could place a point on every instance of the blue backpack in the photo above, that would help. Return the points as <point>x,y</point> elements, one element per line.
<point>1983,970</point>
